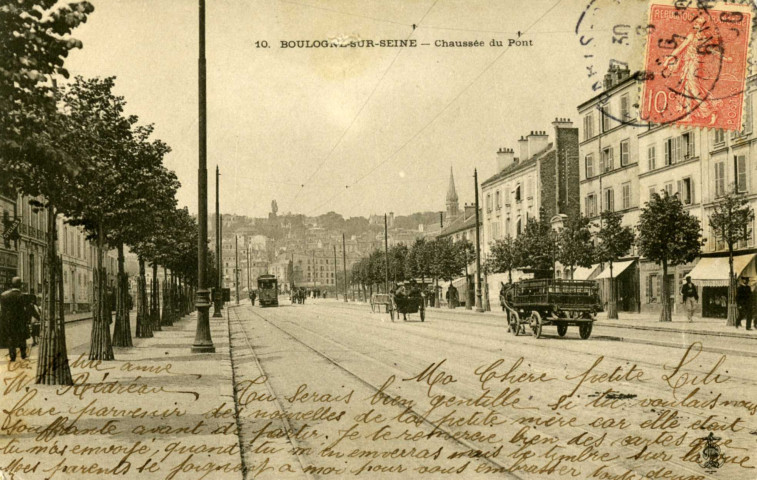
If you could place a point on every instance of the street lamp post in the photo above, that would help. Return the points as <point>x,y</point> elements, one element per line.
<point>386,256</point>
<point>203,342</point>
<point>479,308</point>
<point>236,266</point>
<point>344,266</point>
<point>219,294</point>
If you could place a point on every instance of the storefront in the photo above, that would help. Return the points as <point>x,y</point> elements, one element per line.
<point>710,275</point>
<point>626,281</point>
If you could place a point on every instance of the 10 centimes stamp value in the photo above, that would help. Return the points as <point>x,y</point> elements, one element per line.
<point>696,64</point>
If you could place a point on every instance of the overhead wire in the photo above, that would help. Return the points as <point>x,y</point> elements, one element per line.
<point>362,107</point>
<point>439,114</point>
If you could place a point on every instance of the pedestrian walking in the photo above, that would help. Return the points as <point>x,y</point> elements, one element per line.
<point>14,319</point>
<point>690,298</point>
<point>34,318</point>
<point>744,303</point>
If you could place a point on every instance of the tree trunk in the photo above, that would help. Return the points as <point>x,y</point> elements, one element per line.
<point>100,347</point>
<point>122,329</point>
<point>733,309</point>
<point>52,365</point>
<point>665,314</point>
<point>612,303</point>
<point>144,326</point>
<point>155,299</point>
<point>166,319</point>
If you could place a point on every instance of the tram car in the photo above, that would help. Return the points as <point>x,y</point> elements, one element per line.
<point>268,291</point>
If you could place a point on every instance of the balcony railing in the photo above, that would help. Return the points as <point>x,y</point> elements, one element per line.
<point>31,232</point>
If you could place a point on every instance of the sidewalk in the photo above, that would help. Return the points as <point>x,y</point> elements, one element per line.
<point>636,321</point>
<point>158,411</point>
<point>700,326</point>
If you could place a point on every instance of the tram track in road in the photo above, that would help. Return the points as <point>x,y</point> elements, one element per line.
<point>447,435</point>
<point>450,332</point>
<point>613,338</point>
<point>236,375</point>
<point>511,421</point>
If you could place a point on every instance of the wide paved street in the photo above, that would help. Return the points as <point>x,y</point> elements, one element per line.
<point>332,390</point>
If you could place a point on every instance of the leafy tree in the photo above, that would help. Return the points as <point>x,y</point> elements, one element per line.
<point>419,259</point>
<point>538,246</point>
<point>504,256</point>
<point>730,221</point>
<point>614,242</point>
<point>464,253</point>
<point>36,154</point>
<point>574,245</point>
<point>35,38</point>
<point>668,236</point>
<point>397,259</point>
<point>104,134</point>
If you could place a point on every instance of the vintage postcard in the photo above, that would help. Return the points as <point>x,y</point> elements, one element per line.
<point>386,239</point>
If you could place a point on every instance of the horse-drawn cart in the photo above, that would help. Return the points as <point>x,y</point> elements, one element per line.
<point>413,302</point>
<point>379,299</point>
<point>535,304</point>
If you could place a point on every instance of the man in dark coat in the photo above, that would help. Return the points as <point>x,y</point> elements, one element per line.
<point>14,326</point>
<point>744,302</point>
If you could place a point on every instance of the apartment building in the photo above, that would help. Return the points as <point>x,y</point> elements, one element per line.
<point>543,178</point>
<point>609,174</point>
<point>698,165</point>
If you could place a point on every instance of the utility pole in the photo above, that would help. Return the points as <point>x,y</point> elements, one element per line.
<point>478,248</point>
<point>217,301</point>
<point>386,256</point>
<point>336,277</point>
<point>203,342</point>
<point>236,266</point>
<point>248,270</point>
<point>313,269</point>
<point>441,221</point>
<point>344,266</point>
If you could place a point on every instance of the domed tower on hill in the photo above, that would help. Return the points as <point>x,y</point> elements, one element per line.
<point>453,208</point>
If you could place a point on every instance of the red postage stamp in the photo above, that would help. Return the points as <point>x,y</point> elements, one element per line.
<point>696,65</point>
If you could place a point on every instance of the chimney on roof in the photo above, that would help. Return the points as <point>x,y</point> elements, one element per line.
<point>615,74</point>
<point>537,142</point>
<point>523,149</point>
<point>470,211</point>
<point>505,157</point>
<point>562,123</point>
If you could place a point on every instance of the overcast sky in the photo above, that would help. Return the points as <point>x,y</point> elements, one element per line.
<point>368,130</point>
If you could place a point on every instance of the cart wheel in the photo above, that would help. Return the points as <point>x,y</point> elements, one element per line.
<point>514,325</point>
<point>423,314</point>
<point>536,325</point>
<point>562,330</point>
<point>585,330</point>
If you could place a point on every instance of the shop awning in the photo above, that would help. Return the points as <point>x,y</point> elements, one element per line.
<point>713,271</point>
<point>617,269</point>
<point>582,273</point>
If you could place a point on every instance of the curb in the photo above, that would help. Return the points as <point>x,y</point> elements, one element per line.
<point>677,330</point>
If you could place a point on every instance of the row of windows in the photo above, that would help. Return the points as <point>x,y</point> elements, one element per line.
<point>515,195</point>
<point>608,197</point>
<point>607,115</point>
<point>495,233</point>
<point>607,160</point>
<point>740,175</point>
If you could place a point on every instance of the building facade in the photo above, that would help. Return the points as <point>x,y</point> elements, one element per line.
<point>609,175</point>
<point>543,179</point>
<point>698,165</point>
<point>9,243</point>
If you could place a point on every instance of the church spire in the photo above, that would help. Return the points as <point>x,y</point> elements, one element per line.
<point>452,201</point>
